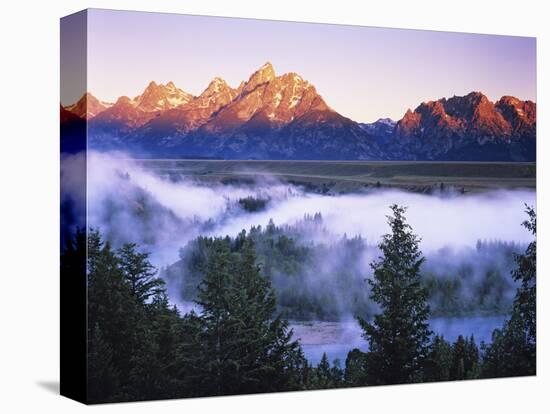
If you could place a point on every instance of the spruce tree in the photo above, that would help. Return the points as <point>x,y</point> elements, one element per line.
<point>103,377</point>
<point>323,377</point>
<point>167,333</point>
<point>525,303</point>
<point>112,320</point>
<point>299,371</point>
<point>472,359</point>
<point>191,363</point>
<point>465,360</point>
<point>513,348</point>
<point>439,362</point>
<point>398,336</point>
<point>336,374</point>
<point>354,373</point>
<point>73,256</point>
<point>246,347</point>
<point>139,273</point>
<point>134,336</point>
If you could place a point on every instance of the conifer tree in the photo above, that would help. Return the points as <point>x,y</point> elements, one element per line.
<point>525,303</point>
<point>246,347</point>
<point>299,371</point>
<point>354,373</point>
<point>73,256</point>
<point>102,374</point>
<point>112,317</point>
<point>191,362</point>
<point>513,348</point>
<point>167,331</point>
<point>465,359</point>
<point>134,335</point>
<point>322,373</point>
<point>472,359</point>
<point>439,362</point>
<point>398,336</point>
<point>139,273</point>
<point>336,374</point>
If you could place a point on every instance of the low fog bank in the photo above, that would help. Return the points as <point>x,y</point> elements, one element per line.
<point>73,195</point>
<point>468,237</point>
<point>448,220</point>
<point>140,205</point>
<point>128,203</point>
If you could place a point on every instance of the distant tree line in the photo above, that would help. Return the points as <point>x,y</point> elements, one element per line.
<point>140,347</point>
<point>253,204</point>
<point>317,280</point>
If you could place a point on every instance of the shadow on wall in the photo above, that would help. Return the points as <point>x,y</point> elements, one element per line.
<point>51,386</point>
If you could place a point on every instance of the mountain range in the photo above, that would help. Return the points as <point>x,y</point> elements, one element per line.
<point>284,117</point>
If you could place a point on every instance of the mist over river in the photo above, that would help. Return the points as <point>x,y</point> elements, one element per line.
<point>468,241</point>
<point>130,203</point>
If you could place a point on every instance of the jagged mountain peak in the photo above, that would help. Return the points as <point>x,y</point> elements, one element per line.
<point>123,100</point>
<point>284,116</point>
<point>267,101</point>
<point>522,115</point>
<point>159,97</point>
<point>265,73</point>
<point>463,125</point>
<point>216,86</point>
<point>267,69</point>
<point>88,106</point>
<point>514,102</point>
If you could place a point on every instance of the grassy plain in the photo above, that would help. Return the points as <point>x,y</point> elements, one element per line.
<point>351,176</point>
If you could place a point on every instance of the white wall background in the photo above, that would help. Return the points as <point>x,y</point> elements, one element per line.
<point>29,283</point>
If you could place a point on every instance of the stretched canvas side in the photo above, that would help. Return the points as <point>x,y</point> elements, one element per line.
<point>73,139</point>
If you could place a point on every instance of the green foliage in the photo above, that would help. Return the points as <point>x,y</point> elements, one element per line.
<point>323,281</point>
<point>312,281</point>
<point>139,273</point>
<point>525,303</point>
<point>140,347</point>
<point>324,376</point>
<point>253,204</point>
<point>246,348</point>
<point>132,330</point>
<point>113,313</point>
<point>465,361</point>
<point>102,373</point>
<point>73,257</point>
<point>458,361</point>
<point>473,281</point>
<point>513,348</point>
<point>439,361</point>
<point>398,336</point>
<point>355,369</point>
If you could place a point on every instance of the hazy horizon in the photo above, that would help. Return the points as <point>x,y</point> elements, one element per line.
<point>364,73</point>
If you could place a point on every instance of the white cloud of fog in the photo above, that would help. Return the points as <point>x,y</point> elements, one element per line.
<point>178,209</point>
<point>130,204</point>
<point>459,220</point>
<point>73,194</point>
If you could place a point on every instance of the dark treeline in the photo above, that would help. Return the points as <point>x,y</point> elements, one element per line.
<point>140,347</point>
<point>253,204</point>
<point>317,280</point>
